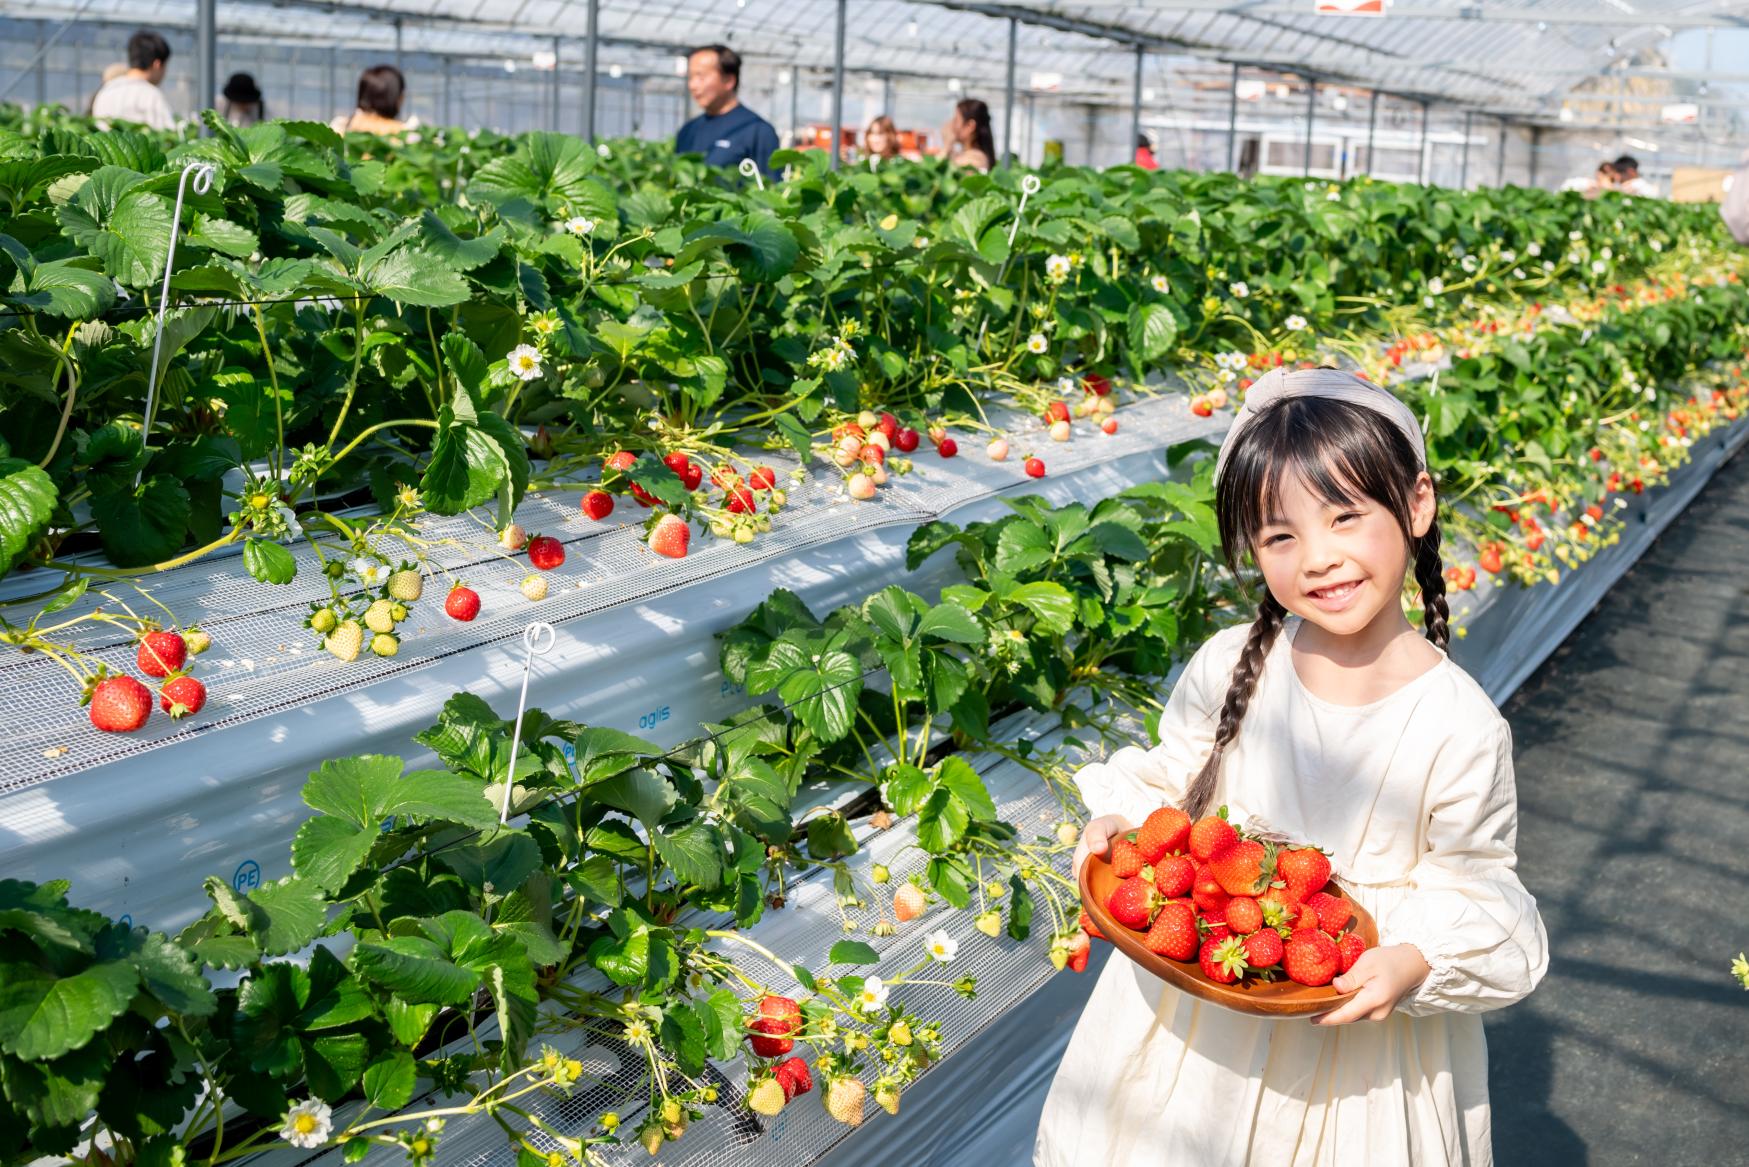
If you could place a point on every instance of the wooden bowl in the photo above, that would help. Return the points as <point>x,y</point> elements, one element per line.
<point>1283,998</point>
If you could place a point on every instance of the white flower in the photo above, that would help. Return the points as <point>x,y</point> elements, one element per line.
<point>1427,301</point>
<point>1036,343</point>
<point>1657,246</point>
<point>1436,286</point>
<point>1575,236</point>
<point>941,946</point>
<point>1240,289</point>
<point>1598,266</point>
<point>414,137</point>
<point>602,150</point>
<point>1534,250</point>
<point>1232,360</point>
<point>524,362</point>
<point>290,518</point>
<point>1334,196</point>
<point>1057,268</point>
<point>1548,265</point>
<point>1226,375</point>
<point>1651,393</point>
<point>1294,323</point>
<point>1607,253</point>
<point>369,572</point>
<point>1518,273</point>
<point>1468,263</point>
<point>872,997</point>
<point>578,225</point>
<point>1508,255</point>
<point>1575,257</point>
<point>1065,384</point>
<point>308,1124</point>
<point>1160,285</point>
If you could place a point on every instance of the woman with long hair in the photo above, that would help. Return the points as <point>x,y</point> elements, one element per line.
<point>969,140</point>
<point>381,92</point>
<point>881,139</point>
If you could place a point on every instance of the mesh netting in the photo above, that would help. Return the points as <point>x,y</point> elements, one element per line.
<point>263,659</point>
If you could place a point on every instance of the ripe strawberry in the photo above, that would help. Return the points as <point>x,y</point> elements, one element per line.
<point>770,1037</point>
<point>1210,834</point>
<point>182,696</point>
<point>1244,868</point>
<point>1035,468</point>
<point>1126,858</point>
<point>762,478</point>
<point>1133,903</point>
<point>1174,876</point>
<point>120,704</point>
<point>1163,832</point>
<point>873,455</point>
<point>620,460</point>
<point>545,552</point>
<point>1174,933</point>
<point>1490,560</point>
<point>1207,892</point>
<point>1089,927</point>
<point>793,1075</point>
<point>677,462</point>
<point>1243,915</point>
<point>1264,949</point>
<point>740,501</point>
<point>1348,950</point>
<point>1333,913</point>
<point>1056,411</point>
<point>767,1097</point>
<point>782,1009</point>
<point>849,429</point>
<point>161,653</point>
<point>670,537</point>
<point>1304,869</point>
<point>845,1098</point>
<point>1109,425</point>
<point>405,586</point>
<point>947,448</point>
<point>462,603</point>
<point>906,439</point>
<point>692,476</point>
<point>1223,959</point>
<point>1096,384</point>
<point>1306,920</point>
<point>534,587</point>
<point>1310,958</point>
<point>345,641</point>
<point>1080,948</point>
<point>197,641</point>
<point>597,504</point>
<point>909,902</point>
<point>1201,407</point>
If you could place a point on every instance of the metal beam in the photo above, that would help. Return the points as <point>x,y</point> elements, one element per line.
<point>1421,162</point>
<point>1500,159</point>
<point>591,65</point>
<point>398,29</point>
<point>837,86</point>
<point>206,60</point>
<point>1464,165</point>
<point>1592,15</point>
<point>1372,127</point>
<point>1311,112</point>
<point>1233,122</point>
<point>554,121</point>
<point>1008,99</point>
<point>1136,105</point>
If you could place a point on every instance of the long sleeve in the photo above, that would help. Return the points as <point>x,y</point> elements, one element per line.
<point>1466,910</point>
<point>1134,782</point>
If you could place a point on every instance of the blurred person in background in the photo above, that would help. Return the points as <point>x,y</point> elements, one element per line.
<point>1599,181</point>
<point>968,136</point>
<point>110,73</point>
<point>134,96</point>
<point>725,132</point>
<point>1628,180</point>
<point>381,91</point>
<point>243,105</point>
<point>1145,153</point>
<point>881,139</point>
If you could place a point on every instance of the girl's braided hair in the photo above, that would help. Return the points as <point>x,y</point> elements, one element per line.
<point>1340,451</point>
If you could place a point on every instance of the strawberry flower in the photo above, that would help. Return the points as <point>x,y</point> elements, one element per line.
<point>1161,285</point>
<point>872,997</point>
<point>579,225</point>
<point>1057,268</point>
<point>1294,323</point>
<point>308,1124</point>
<point>1036,343</point>
<point>941,946</point>
<point>1240,289</point>
<point>524,362</point>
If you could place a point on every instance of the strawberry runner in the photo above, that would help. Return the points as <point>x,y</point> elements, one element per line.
<point>1413,796</point>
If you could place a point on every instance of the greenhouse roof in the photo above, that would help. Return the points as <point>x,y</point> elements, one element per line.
<point>1516,59</point>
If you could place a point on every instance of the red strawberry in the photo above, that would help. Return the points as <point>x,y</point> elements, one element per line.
<point>620,460</point>
<point>888,425</point>
<point>906,439</point>
<point>1263,949</point>
<point>161,653</point>
<point>781,1009</point>
<point>1089,927</point>
<point>1133,903</point>
<point>1034,467</point>
<point>848,429</point>
<point>692,476</point>
<point>1208,893</point>
<point>740,501</point>
<point>545,552</point>
<point>120,705</point>
<point>644,498</point>
<point>1201,407</point>
<point>769,1037</point>
<point>1243,915</point>
<point>1244,868</point>
<point>677,462</point>
<point>1079,950</point>
<point>182,696</point>
<point>1348,950</point>
<point>1307,920</point>
<point>1162,833</point>
<point>1304,869</point>
<point>1310,958</point>
<point>1490,560</point>
<point>1174,875</point>
<point>1126,858</point>
<point>762,478</point>
<point>1174,933</point>
<point>670,537</point>
<point>1210,834</point>
<point>598,504</point>
<point>1096,384</point>
<point>793,1075</point>
<point>462,603</point>
<point>948,448</point>
<point>909,902</point>
<point>1222,959</point>
<point>1333,913</point>
<point>1056,411</point>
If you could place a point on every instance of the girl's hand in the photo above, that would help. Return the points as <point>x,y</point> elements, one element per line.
<point>1382,976</point>
<point>1096,840</point>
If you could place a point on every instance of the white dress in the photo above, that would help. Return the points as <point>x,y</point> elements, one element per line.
<point>1413,797</point>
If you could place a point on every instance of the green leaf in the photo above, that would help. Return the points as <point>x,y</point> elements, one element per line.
<point>334,1064</point>
<point>413,277</point>
<point>942,822</point>
<point>326,851</point>
<point>1020,907</point>
<point>436,238</point>
<point>223,236</point>
<point>1050,603</point>
<point>907,788</point>
<point>1153,330</point>
<point>949,621</point>
<point>624,960</point>
<point>853,952</point>
<point>956,774</point>
<point>1022,546</point>
<point>27,500</point>
<point>415,970</point>
<point>268,562</point>
<point>126,229</point>
<point>289,914</point>
<point>504,863</point>
<point>466,363</point>
<point>694,852</point>
<point>44,1016</point>
<point>144,525</point>
<point>165,968</point>
<point>603,752</point>
<point>643,794</point>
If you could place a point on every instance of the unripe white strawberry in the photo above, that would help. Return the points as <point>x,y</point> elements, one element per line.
<point>862,487</point>
<point>997,449</point>
<point>345,641</point>
<point>513,537</point>
<point>534,587</point>
<point>1059,431</point>
<point>406,586</point>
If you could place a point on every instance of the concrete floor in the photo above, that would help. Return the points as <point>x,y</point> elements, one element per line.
<point>1632,751</point>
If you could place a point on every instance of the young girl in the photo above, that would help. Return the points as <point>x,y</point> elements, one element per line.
<point>1331,721</point>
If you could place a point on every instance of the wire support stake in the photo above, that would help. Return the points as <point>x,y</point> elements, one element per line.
<point>539,638</point>
<point>203,182</point>
<point>750,169</point>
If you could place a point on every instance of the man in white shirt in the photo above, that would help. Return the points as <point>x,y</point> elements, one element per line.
<point>135,96</point>
<point>1628,180</point>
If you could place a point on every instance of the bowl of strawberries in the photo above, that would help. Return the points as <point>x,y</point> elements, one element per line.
<point>1248,923</point>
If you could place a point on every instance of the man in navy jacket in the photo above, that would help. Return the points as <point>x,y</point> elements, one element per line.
<point>727,131</point>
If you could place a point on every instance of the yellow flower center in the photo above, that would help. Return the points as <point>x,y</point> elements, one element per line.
<point>304,1124</point>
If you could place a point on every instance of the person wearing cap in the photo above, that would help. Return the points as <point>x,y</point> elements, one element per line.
<point>243,105</point>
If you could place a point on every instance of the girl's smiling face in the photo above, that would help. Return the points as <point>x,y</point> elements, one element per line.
<point>1339,563</point>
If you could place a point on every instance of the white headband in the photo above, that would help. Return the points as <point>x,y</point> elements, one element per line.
<point>1278,384</point>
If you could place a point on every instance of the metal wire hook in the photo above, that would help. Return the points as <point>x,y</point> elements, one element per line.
<point>1029,186</point>
<point>750,169</point>
<point>203,182</point>
<point>538,638</point>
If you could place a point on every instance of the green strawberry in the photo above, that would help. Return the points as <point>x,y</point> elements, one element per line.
<point>405,585</point>
<point>380,616</point>
<point>384,644</point>
<point>322,620</point>
<point>989,923</point>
